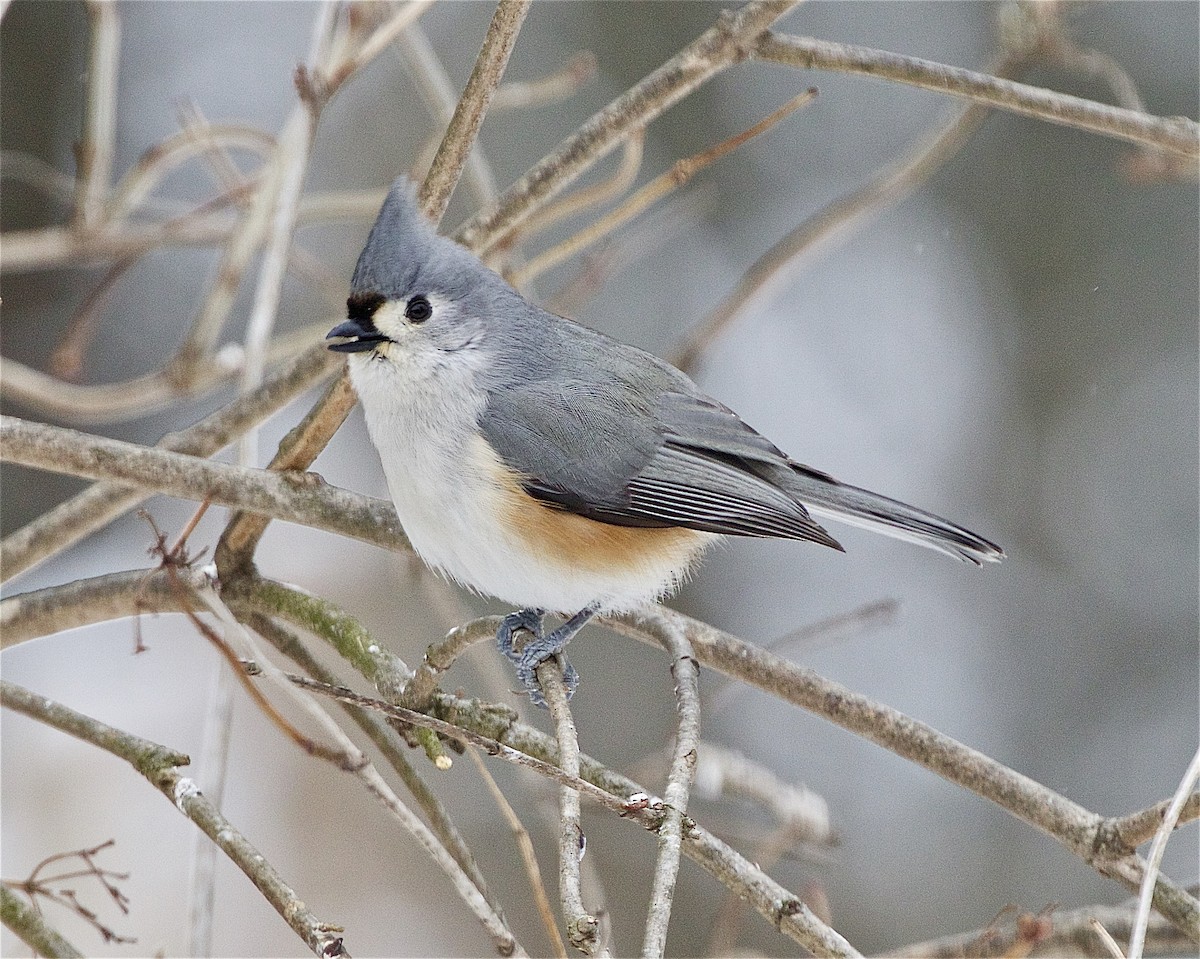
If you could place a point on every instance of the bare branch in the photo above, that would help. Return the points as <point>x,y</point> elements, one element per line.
<point>583,929</point>
<point>686,673</point>
<point>472,107</point>
<point>713,51</point>
<point>1177,134</point>
<point>94,152</point>
<point>552,88</point>
<point>1137,939</point>
<point>160,765</point>
<point>528,857</point>
<point>1076,828</point>
<point>72,520</point>
<point>1071,932</point>
<point>1141,826</point>
<point>781,261</point>
<point>680,173</point>
<point>32,929</point>
<point>304,498</point>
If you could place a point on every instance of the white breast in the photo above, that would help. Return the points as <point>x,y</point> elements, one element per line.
<point>446,486</point>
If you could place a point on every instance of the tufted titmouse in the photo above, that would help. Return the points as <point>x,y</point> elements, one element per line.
<point>545,464</point>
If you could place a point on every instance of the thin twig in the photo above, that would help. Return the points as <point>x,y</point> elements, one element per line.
<point>528,858</point>
<point>160,765</point>
<point>583,929</point>
<point>1176,134</point>
<point>555,87</point>
<point>680,173</point>
<point>1073,933</point>
<point>712,52</point>
<point>779,264</point>
<point>1137,941</point>
<point>1106,937</point>
<point>596,194</point>
<point>116,595</point>
<point>496,731</point>
<point>424,67</point>
<point>289,643</point>
<point>1138,827</point>
<point>471,894</point>
<point>439,183</point>
<point>686,673</point>
<point>94,152</point>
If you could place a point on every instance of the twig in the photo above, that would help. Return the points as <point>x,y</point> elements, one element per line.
<point>471,894</point>
<point>686,673</point>
<point>1177,134</point>
<point>214,760</point>
<point>110,402</point>
<point>297,451</point>
<point>1106,938</point>
<point>73,519</point>
<point>379,41</point>
<point>66,361</point>
<point>301,446</point>
<point>160,765</point>
<point>723,772</point>
<point>153,166</point>
<point>553,88</point>
<point>680,173</point>
<point>424,67</point>
<point>306,499</point>
<point>1131,831</point>
<point>439,183</point>
<point>185,591</point>
<point>891,185</point>
<point>94,152</point>
<point>499,735</point>
<point>1137,941</point>
<point>290,644</point>
<point>590,196</point>
<point>1073,932</point>
<point>713,51</point>
<point>583,929</point>
<point>1076,828</point>
<point>116,595</point>
<point>839,628</point>
<point>25,923</point>
<point>496,731</point>
<point>528,858</point>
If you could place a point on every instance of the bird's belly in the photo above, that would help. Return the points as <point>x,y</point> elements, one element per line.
<point>468,517</point>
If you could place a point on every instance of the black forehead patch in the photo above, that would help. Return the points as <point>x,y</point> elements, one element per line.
<point>362,306</point>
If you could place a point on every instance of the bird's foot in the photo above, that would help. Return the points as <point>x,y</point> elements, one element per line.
<point>540,648</point>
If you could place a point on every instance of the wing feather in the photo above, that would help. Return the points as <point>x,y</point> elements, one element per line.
<point>600,451</point>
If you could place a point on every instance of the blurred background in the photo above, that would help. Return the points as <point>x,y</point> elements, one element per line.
<point>1013,347</point>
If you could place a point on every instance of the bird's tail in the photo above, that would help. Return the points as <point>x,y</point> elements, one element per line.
<point>827,498</point>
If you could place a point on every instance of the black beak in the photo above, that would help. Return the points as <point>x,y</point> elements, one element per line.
<point>358,337</point>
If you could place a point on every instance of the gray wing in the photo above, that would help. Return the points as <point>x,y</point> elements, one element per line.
<point>601,449</point>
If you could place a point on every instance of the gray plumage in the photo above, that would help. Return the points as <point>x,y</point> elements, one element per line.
<point>610,432</point>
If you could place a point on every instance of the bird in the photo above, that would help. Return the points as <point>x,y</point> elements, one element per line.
<point>535,460</point>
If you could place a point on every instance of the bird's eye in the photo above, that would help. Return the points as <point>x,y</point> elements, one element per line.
<point>419,309</point>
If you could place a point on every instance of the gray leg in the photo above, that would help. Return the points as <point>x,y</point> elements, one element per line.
<point>540,647</point>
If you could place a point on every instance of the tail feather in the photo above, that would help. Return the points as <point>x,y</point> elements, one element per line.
<point>827,498</point>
